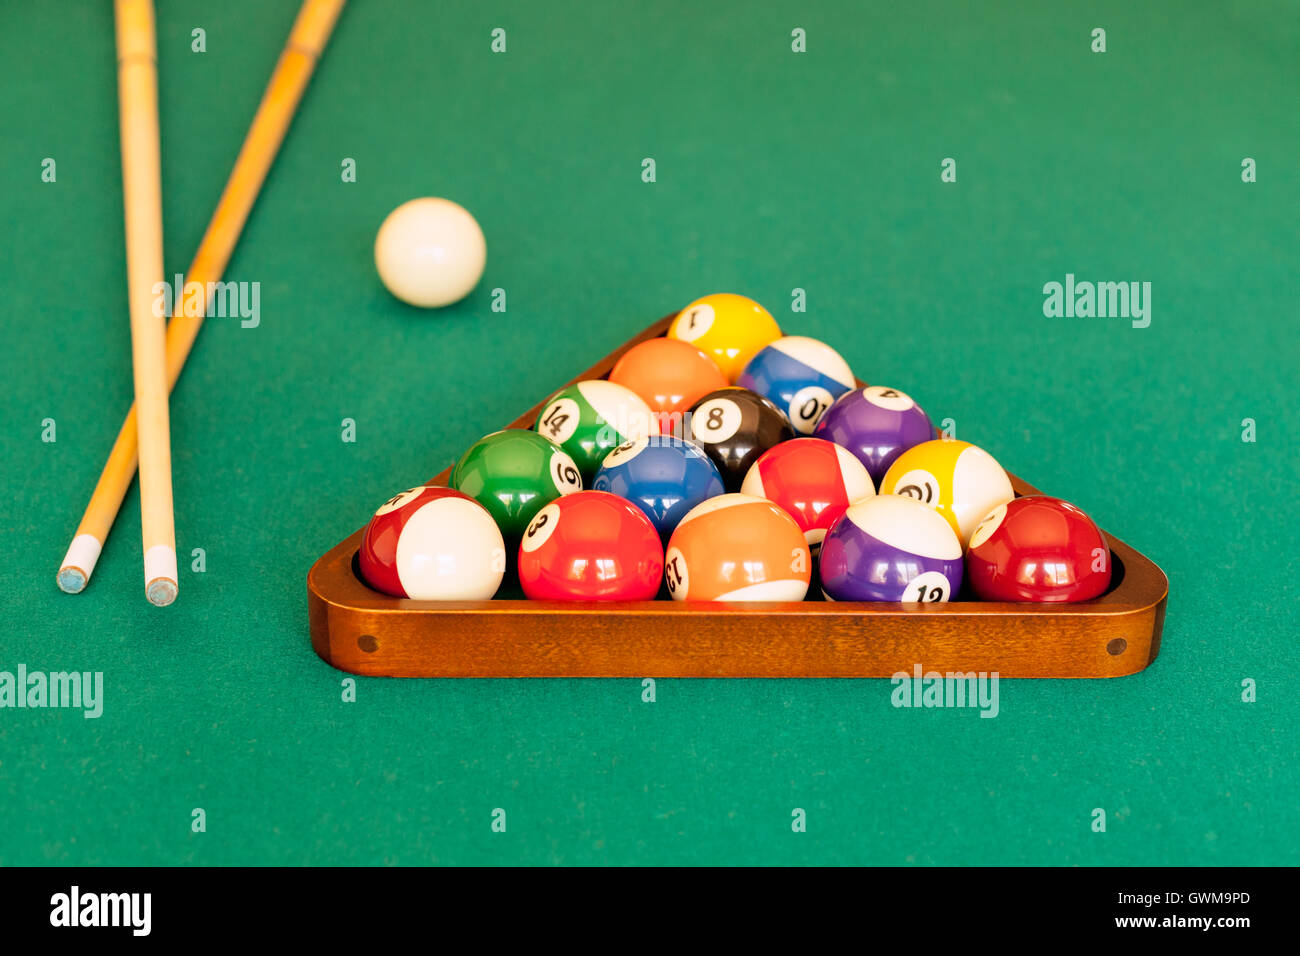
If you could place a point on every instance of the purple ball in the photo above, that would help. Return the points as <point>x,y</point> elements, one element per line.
<point>891,548</point>
<point>877,424</point>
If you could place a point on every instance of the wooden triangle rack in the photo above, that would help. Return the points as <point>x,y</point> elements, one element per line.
<point>364,632</point>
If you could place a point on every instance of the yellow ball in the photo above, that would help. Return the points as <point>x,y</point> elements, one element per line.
<point>730,329</point>
<point>959,480</point>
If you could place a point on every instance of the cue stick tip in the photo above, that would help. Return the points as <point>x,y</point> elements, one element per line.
<point>72,580</point>
<point>161,591</point>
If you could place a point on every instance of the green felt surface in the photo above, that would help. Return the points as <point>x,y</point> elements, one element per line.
<point>775,171</point>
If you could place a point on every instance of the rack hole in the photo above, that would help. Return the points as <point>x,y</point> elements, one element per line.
<point>369,643</point>
<point>1117,647</point>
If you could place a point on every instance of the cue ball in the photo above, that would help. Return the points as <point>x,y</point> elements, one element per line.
<point>815,481</point>
<point>1038,548</point>
<point>737,548</point>
<point>590,546</point>
<point>891,548</point>
<point>960,481</point>
<point>433,544</point>
<point>430,252</point>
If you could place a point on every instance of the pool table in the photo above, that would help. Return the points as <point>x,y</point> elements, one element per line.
<point>905,182</point>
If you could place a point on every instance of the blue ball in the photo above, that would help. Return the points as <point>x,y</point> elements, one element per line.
<point>664,476</point>
<point>801,376</point>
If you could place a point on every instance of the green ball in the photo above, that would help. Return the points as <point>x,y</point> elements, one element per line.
<point>590,419</point>
<point>514,474</point>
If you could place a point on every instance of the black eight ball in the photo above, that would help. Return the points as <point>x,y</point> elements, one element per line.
<point>734,426</point>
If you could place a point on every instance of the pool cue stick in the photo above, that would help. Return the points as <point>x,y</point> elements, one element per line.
<point>311,31</point>
<point>137,87</point>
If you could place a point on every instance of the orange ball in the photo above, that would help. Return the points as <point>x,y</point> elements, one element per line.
<point>670,376</point>
<point>737,548</point>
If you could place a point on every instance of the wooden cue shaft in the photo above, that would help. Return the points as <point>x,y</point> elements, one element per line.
<point>137,72</point>
<point>307,39</point>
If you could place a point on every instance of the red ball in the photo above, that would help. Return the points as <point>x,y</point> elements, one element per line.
<point>1038,548</point>
<point>590,546</point>
<point>812,479</point>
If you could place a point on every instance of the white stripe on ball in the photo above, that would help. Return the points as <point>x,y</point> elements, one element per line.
<point>904,523</point>
<point>467,560</point>
<point>620,407</point>
<point>711,505</point>
<point>817,355</point>
<point>854,474</point>
<point>787,590</point>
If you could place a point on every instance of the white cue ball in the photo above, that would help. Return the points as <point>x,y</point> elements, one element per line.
<point>430,252</point>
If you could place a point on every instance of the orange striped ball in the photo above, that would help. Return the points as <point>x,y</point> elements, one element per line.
<point>737,548</point>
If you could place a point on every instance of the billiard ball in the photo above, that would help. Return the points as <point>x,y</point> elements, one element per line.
<point>728,328</point>
<point>890,548</point>
<point>590,546</point>
<point>877,424</point>
<point>1038,548</point>
<point>670,376</point>
<point>513,473</point>
<point>662,475</point>
<point>960,481</point>
<point>801,376</point>
<point>737,548</point>
<point>813,480</point>
<point>433,544</point>
<point>430,252</point>
<point>589,419</point>
<point>734,426</point>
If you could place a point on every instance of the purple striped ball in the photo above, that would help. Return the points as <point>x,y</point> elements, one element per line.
<point>891,548</point>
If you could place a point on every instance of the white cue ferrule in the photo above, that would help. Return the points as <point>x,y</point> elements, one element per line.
<point>79,562</point>
<point>160,574</point>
